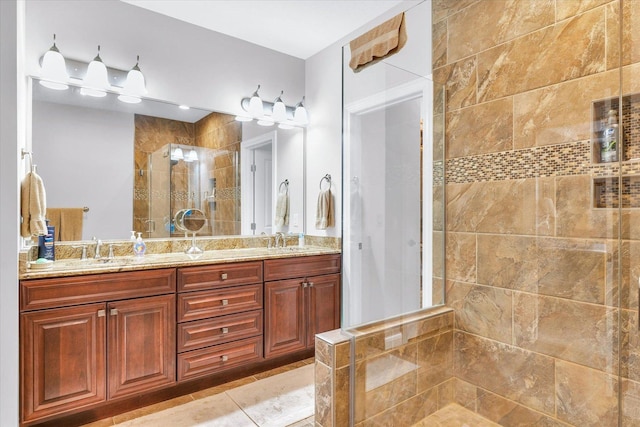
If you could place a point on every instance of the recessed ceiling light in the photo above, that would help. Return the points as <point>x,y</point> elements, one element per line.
<point>183,107</point>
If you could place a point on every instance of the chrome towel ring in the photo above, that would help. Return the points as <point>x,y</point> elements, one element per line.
<point>286,186</point>
<point>327,178</point>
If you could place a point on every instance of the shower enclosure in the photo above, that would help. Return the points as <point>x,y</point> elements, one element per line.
<point>541,236</point>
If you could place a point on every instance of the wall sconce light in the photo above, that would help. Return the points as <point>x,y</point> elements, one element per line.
<point>177,154</point>
<point>134,87</point>
<point>54,70</point>
<point>269,113</point>
<point>96,82</point>
<point>191,156</point>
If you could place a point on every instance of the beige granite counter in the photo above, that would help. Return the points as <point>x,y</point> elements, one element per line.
<point>216,252</point>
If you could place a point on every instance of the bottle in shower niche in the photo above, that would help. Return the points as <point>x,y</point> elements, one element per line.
<point>139,247</point>
<point>610,138</point>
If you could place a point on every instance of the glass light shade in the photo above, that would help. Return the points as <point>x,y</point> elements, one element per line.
<point>135,83</point>
<point>129,99</point>
<point>96,80</point>
<point>243,118</point>
<point>192,156</point>
<point>285,126</point>
<point>54,70</point>
<point>279,111</point>
<point>255,106</point>
<point>300,115</point>
<point>176,154</point>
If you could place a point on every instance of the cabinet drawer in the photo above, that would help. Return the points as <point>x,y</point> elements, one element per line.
<point>203,304</point>
<point>218,330</point>
<point>65,291</point>
<point>209,360</point>
<point>219,275</point>
<point>287,268</point>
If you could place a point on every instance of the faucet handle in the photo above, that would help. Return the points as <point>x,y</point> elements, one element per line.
<point>111,256</point>
<point>83,257</point>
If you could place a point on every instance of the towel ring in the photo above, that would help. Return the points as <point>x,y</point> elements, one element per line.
<point>286,185</point>
<point>327,178</point>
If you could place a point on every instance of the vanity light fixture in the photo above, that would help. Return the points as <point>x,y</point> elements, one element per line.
<point>279,110</point>
<point>54,69</point>
<point>191,156</point>
<point>96,82</point>
<point>269,113</point>
<point>134,87</point>
<point>256,109</point>
<point>177,154</point>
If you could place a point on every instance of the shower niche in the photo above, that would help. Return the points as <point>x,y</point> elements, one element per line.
<point>609,190</point>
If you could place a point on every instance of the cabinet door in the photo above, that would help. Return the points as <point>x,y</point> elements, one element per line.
<point>324,305</point>
<point>142,345</point>
<point>62,359</point>
<point>285,326</point>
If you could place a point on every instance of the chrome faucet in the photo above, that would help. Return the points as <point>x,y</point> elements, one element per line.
<point>98,247</point>
<point>280,238</point>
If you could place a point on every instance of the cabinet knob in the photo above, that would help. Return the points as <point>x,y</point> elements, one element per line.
<point>225,302</point>
<point>225,330</point>
<point>305,284</point>
<point>310,284</point>
<point>223,276</point>
<point>224,358</point>
<point>114,311</point>
<point>102,313</point>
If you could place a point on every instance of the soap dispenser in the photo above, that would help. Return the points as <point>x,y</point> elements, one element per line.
<point>609,144</point>
<point>139,247</point>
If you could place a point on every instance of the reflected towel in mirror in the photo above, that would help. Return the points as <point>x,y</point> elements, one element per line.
<point>67,223</point>
<point>282,209</point>
<point>33,205</point>
<point>324,212</point>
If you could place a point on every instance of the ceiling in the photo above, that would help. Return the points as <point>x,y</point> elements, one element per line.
<point>299,28</point>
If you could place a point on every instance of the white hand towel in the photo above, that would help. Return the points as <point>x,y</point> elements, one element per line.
<point>282,209</point>
<point>33,206</point>
<point>324,212</point>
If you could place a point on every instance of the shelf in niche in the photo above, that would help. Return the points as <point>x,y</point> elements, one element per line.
<point>607,194</point>
<point>629,123</point>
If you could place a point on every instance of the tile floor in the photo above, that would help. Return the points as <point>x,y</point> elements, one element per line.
<point>454,415</point>
<point>281,397</point>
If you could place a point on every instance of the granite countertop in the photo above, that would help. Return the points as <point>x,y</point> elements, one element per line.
<point>76,267</point>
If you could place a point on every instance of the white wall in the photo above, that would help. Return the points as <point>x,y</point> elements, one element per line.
<point>11,131</point>
<point>91,140</point>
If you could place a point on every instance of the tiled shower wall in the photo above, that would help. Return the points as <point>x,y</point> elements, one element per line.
<point>544,283</point>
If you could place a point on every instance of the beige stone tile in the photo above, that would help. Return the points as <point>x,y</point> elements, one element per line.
<point>612,13</point>
<point>631,78</point>
<point>407,413</point>
<point>446,392</point>
<point>459,80</point>
<point>465,394</point>
<point>544,57</point>
<point>307,422</point>
<point>517,374</point>
<point>222,388</point>
<point>630,36</point>
<point>489,23</point>
<point>508,261</point>
<point>435,361</point>
<point>568,8</point>
<point>506,207</point>
<point>508,413</point>
<point>444,8</point>
<point>455,416</point>
<point>630,403</point>
<point>437,208</point>
<point>342,393</point>
<point>461,257</point>
<point>480,129</point>
<point>342,353</point>
<point>574,215</point>
<point>439,44</point>
<point>560,113</point>
<point>630,274</point>
<point>630,345</point>
<point>324,397</point>
<point>438,291</point>
<point>437,256</point>
<point>280,370</point>
<point>324,352</point>
<point>542,324</point>
<point>481,310</point>
<point>586,397</point>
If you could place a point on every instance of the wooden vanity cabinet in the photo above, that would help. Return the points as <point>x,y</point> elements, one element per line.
<point>94,338</point>
<point>302,299</point>
<point>219,318</point>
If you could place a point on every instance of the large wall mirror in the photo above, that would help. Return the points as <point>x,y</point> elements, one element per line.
<point>132,167</point>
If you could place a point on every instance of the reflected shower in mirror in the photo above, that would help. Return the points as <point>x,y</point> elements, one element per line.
<point>122,161</point>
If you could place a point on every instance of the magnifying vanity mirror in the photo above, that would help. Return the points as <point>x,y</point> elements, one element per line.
<point>135,166</point>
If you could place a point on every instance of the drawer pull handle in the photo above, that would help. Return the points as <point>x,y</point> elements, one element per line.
<point>114,312</point>
<point>224,358</point>
<point>102,313</point>
<point>310,284</point>
<point>223,276</point>
<point>305,284</point>
<point>225,330</point>
<point>225,302</point>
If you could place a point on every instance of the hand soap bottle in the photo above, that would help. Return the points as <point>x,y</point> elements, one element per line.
<point>139,247</point>
<point>609,144</point>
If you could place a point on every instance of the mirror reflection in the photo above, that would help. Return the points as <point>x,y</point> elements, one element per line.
<point>134,166</point>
